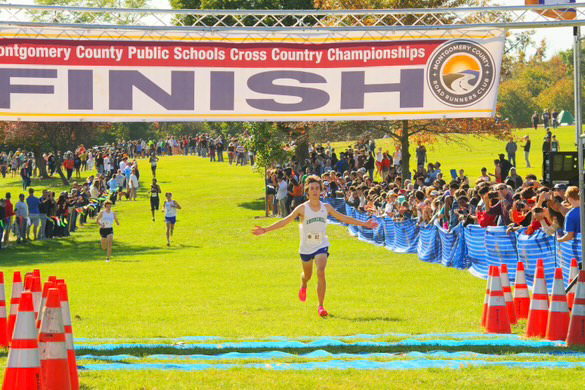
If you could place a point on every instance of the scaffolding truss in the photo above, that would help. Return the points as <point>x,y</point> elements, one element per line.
<point>516,17</point>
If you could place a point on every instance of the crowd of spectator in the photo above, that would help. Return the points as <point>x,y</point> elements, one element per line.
<point>369,180</point>
<point>366,177</point>
<point>40,215</point>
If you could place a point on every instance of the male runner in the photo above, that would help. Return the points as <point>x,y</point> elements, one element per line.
<point>314,241</point>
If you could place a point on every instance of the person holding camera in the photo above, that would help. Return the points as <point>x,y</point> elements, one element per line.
<point>488,199</point>
<point>502,207</point>
<point>553,211</point>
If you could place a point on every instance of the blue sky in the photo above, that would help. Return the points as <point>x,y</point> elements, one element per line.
<point>557,39</point>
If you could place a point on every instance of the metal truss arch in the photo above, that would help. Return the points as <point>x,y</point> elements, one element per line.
<point>508,17</point>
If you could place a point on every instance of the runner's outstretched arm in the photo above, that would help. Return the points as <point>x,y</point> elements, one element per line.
<point>98,220</point>
<point>279,224</point>
<point>369,224</point>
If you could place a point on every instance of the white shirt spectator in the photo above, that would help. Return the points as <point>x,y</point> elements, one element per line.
<point>93,191</point>
<point>21,209</point>
<point>282,190</point>
<point>133,181</point>
<point>397,157</point>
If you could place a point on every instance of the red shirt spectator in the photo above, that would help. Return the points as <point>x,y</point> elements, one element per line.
<point>9,208</point>
<point>484,219</point>
<point>69,164</point>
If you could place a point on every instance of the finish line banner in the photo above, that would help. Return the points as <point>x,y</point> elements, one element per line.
<point>124,76</point>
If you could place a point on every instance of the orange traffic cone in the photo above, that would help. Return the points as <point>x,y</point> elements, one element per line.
<point>23,370</point>
<point>53,279</point>
<point>538,314</point>
<point>14,300</point>
<point>485,300</point>
<point>540,263</point>
<point>576,333</point>
<point>73,375</point>
<point>46,288</point>
<point>4,340</point>
<point>508,294</point>
<point>521,294</point>
<point>52,348</point>
<point>497,317</point>
<point>37,293</point>
<point>3,321</point>
<point>28,281</point>
<point>573,273</point>
<point>37,273</point>
<point>558,313</point>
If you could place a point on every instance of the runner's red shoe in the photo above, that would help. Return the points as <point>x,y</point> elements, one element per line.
<point>322,312</point>
<point>303,294</point>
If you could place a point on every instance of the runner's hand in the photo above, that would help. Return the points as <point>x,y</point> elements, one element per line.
<point>371,224</point>
<point>257,231</point>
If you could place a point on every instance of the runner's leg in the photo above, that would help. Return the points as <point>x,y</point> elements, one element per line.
<point>321,262</point>
<point>109,241</point>
<point>307,272</point>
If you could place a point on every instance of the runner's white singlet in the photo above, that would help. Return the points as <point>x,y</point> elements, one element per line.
<point>108,219</point>
<point>170,209</point>
<point>313,229</point>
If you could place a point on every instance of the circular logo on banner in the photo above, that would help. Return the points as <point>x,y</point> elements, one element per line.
<point>461,73</point>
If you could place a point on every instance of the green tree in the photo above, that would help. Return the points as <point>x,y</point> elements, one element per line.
<point>66,17</point>
<point>269,142</point>
<point>517,103</point>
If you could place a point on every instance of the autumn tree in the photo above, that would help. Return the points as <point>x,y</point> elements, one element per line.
<point>53,137</point>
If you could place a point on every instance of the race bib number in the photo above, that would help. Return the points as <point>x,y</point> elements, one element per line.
<point>314,238</point>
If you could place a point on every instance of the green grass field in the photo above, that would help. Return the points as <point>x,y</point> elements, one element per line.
<point>473,153</point>
<point>218,280</point>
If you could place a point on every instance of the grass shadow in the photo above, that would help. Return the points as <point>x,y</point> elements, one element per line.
<point>71,249</point>
<point>257,204</point>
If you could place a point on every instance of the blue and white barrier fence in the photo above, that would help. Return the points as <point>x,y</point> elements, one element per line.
<point>471,247</point>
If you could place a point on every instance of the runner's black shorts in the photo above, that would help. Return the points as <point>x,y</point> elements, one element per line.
<point>154,203</point>
<point>105,232</point>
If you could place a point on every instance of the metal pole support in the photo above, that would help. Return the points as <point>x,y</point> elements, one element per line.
<point>579,125</point>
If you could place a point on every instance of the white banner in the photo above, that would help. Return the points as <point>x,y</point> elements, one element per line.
<point>292,76</point>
